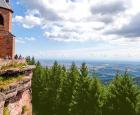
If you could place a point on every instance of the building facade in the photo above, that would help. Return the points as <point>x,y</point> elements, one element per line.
<point>7,39</point>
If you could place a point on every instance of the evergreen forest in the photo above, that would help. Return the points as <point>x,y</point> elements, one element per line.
<point>60,91</point>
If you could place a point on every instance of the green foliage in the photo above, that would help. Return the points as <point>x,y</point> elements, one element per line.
<point>123,96</point>
<point>13,65</point>
<point>6,111</point>
<point>84,70</point>
<point>30,61</point>
<point>96,97</point>
<point>24,109</point>
<point>5,81</point>
<point>60,91</point>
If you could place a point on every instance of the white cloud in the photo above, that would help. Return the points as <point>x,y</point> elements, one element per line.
<point>105,52</point>
<point>79,20</point>
<point>20,41</point>
<point>25,39</point>
<point>29,38</point>
<point>30,20</point>
<point>86,20</point>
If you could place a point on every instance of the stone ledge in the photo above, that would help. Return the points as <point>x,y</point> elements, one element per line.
<point>12,71</point>
<point>14,89</point>
<point>8,61</point>
<point>2,97</point>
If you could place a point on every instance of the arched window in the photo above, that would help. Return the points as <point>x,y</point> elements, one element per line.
<point>1,20</point>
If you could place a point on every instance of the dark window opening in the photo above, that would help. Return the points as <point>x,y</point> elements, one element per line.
<point>1,20</point>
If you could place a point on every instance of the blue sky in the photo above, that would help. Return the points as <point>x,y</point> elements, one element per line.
<point>77,29</point>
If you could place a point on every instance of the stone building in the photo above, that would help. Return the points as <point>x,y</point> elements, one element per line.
<point>7,39</point>
<point>15,75</point>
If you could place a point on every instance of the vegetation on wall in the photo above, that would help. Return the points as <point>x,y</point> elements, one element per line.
<point>13,65</point>
<point>6,81</point>
<point>24,109</point>
<point>6,111</point>
<point>61,91</point>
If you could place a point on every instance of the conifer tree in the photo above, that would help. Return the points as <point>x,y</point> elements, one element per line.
<point>58,91</point>
<point>33,61</point>
<point>81,93</point>
<point>68,89</point>
<point>96,97</point>
<point>28,59</point>
<point>122,97</point>
<point>51,91</point>
<point>62,105</point>
<point>84,70</point>
<point>36,87</point>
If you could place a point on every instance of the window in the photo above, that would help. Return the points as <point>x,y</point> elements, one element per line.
<point>1,20</point>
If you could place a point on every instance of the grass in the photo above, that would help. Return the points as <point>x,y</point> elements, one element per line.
<point>24,109</point>
<point>13,65</point>
<point>5,82</point>
<point>6,111</point>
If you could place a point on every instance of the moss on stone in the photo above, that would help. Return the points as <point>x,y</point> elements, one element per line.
<point>13,65</point>
<point>6,111</point>
<point>24,109</point>
<point>5,82</point>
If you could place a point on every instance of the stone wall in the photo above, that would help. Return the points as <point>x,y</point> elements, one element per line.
<point>17,104</point>
<point>7,46</point>
<point>7,15</point>
<point>7,40</point>
<point>16,97</point>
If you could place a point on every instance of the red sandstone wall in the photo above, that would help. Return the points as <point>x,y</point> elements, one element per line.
<point>7,42</point>
<point>16,104</point>
<point>7,46</point>
<point>7,15</point>
<point>16,97</point>
<point>22,100</point>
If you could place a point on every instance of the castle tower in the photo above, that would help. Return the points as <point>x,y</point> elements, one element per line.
<point>7,40</point>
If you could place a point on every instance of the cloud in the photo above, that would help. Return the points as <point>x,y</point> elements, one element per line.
<point>83,20</point>
<point>130,30</point>
<point>112,8</point>
<point>20,41</point>
<point>43,7</point>
<point>31,19</point>
<point>92,53</point>
<point>29,38</point>
<point>78,31</point>
<point>107,12</point>
<point>25,39</point>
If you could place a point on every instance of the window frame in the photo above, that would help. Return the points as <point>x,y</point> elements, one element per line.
<point>1,20</point>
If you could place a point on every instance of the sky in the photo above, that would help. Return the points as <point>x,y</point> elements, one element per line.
<point>77,29</point>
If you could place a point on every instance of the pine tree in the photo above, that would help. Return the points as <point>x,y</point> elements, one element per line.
<point>96,97</point>
<point>37,88</point>
<point>68,88</point>
<point>33,61</point>
<point>81,96</point>
<point>84,70</point>
<point>62,108</point>
<point>28,59</point>
<point>38,63</point>
<point>81,93</point>
<point>122,97</point>
<point>58,91</point>
<point>52,89</point>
